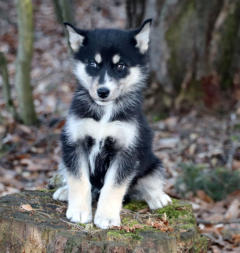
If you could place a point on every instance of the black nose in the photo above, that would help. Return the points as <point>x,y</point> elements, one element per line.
<point>103,92</point>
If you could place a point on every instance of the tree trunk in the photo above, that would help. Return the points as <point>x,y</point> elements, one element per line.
<point>135,12</point>
<point>64,10</point>
<point>23,65</point>
<point>6,86</point>
<point>195,52</point>
<point>32,221</point>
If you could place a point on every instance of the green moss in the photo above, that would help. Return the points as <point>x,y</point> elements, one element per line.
<point>82,224</point>
<point>135,205</point>
<point>176,210</point>
<point>187,226</point>
<point>200,244</point>
<point>129,221</point>
<point>46,190</point>
<point>179,215</point>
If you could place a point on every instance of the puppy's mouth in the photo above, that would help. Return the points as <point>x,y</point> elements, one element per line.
<point>103,101</point>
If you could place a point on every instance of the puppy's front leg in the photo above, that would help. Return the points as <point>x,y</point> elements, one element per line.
<point>110,200</point>
<point>79,195</point>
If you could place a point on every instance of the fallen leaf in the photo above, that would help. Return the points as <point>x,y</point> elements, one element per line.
<point>233,210</point>
<point>203,196</point>
<point>236,239</point>
<point>27,207</point>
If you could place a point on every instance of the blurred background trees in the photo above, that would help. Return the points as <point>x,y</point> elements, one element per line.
<point>26,112</point>
<point>6,88</point>
<point>195,56</point>
<point>192,101</point>
<point>23,62</point>
<point>64,10</point>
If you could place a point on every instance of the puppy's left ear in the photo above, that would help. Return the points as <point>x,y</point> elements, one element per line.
<point>142,36</point>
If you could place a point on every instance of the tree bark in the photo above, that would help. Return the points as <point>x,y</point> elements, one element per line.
<point>135,12</point>
<point>23,65</point>
<point>6,86</point>
<point>194,53</point>
<point>32,221</point>
<point>64,10</point>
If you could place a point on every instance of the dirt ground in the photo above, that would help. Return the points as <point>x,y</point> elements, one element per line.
<point>29,156</point>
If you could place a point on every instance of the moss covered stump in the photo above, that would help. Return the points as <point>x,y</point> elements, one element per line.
<point>31,221</point>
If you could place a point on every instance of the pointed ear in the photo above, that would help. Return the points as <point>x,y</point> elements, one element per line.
<point>142,36</point>
<point>75,37</point>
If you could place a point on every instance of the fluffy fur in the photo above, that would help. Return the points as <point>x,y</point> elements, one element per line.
<point>106,141</point>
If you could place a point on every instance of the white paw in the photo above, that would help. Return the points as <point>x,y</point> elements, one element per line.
<point>159,201</point>
<point>105,222</point>
<point>61,193</point>
<point>77,215</point>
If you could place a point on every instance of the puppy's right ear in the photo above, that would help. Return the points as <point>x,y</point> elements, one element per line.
<point>75,37</point>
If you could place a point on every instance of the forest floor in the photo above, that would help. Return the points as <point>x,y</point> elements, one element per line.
<point>200,151</point>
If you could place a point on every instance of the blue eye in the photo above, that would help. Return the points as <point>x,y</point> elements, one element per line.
<point>120,67</point>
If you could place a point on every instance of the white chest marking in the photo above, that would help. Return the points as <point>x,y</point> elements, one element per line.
<point>97,146</point>
<point>125,133</point>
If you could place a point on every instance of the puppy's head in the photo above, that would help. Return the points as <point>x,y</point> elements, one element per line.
<point>110,63</point>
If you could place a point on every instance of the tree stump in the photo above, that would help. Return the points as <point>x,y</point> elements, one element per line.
<point>31,221</point>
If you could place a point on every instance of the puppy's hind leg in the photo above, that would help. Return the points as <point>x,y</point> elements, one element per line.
<point>59,180</point>
<point>61,193</point>
<point>150,189</point>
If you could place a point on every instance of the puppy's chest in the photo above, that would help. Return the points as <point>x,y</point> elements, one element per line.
<point>101,138</point>
<point>123,133</point>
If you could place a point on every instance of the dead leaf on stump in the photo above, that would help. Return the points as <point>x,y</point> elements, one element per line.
<point>26,207</point>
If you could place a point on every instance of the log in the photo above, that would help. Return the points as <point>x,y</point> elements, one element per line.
<point>31,221</point>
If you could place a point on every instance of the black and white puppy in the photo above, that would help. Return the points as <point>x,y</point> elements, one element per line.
<point>106,141</point>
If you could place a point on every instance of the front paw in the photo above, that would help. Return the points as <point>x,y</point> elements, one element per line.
<point>104,222</point>
<point>78,215</point>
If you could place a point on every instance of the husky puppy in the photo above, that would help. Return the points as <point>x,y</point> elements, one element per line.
<point>106,141</point>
